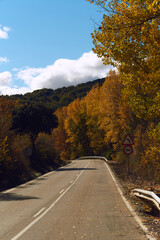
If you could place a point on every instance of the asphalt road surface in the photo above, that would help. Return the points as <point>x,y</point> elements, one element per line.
<point>79,201</point>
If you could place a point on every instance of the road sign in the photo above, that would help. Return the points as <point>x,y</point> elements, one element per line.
<point>128,149</point>
<point>128,140</point>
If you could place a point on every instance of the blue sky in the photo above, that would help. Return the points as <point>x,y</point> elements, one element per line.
<point>47,43</point>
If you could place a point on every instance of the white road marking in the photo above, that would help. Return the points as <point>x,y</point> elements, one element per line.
<point>27,183</point>
<point>47,174</point>
<point>10,190</point>
<point>22,185</point>
<point>39,212</point>
<point>134,214</point>
<point>62,191</point>
<point>49,208</point>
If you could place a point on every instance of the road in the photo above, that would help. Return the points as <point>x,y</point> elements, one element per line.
<point>79,201</point>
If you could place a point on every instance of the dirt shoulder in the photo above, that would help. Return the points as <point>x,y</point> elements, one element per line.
<point>144,211</point>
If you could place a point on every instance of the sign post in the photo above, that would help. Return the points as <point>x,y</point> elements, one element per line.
<point>128,149</point>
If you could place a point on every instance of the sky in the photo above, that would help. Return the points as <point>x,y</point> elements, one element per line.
<point>47,44</point>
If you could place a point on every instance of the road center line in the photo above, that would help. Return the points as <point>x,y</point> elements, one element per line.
<point>49,208</point>
<point>39,212</point>
<point>62,191</point>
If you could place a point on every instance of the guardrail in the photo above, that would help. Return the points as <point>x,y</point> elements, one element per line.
<point>150,197</point>
<point>94,157</point>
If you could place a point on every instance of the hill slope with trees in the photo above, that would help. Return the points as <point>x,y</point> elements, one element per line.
<point>56,98</point>
<point>26,123</point>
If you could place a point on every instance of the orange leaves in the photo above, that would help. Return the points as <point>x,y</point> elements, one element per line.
<point>60,135</point>
<point>115,112</point>
<point>96,121</point>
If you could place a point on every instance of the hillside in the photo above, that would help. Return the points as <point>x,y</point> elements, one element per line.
<point>59,97</point>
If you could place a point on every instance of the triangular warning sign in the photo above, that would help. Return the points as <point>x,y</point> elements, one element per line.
<point>128,140</point>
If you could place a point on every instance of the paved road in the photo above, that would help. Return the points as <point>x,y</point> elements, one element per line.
<point>80,201</point>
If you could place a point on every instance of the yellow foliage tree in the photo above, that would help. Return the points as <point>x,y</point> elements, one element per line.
<point>77,129</point>
<point>150,161</point>
<point>96,135</point>
<point>116,117</point>
<point>60,135</point>
<point>129,38</point>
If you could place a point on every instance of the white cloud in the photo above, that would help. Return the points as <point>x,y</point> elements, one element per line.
<point>28,74</point>
<point>5,85</point>
<point>5,90</point>
<point>65,72</point>
<point>5,78</point>
<point>3,60</point>
<point>4,32</point>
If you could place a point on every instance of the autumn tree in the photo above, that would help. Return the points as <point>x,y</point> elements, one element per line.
<point>60,136</point>
<point>45,152</point>
<point>6,107</point>
<point>129,38</point>
<point>33,119</point>
<point>13,165</point>
<point>95,133</point>
<point>77,129</point>
<point>116,115</point>
<point>4,158</point>
<point>150,161</point>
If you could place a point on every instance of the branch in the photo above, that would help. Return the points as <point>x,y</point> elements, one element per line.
<point>133,25</point>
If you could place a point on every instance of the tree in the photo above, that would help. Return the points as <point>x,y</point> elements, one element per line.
<point>45,152</point>
<point>6,107</point>
<point>153,7</point>
<point>60,135</point>
<point>116,117</point>
<point>4,157</point>
<point>77,129</point>
<point>33,119</point>
<point>129,38</point>
<point>95,133</point>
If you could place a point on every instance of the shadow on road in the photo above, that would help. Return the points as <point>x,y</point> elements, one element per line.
<point>14,197</point>
<point>28,184</point>
<point>74,169</point>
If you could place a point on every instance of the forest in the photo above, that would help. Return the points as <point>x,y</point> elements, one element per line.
<point>98,124</point>
<point>39,132</point>
<point>27,147</point>
<point>56,98</point>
